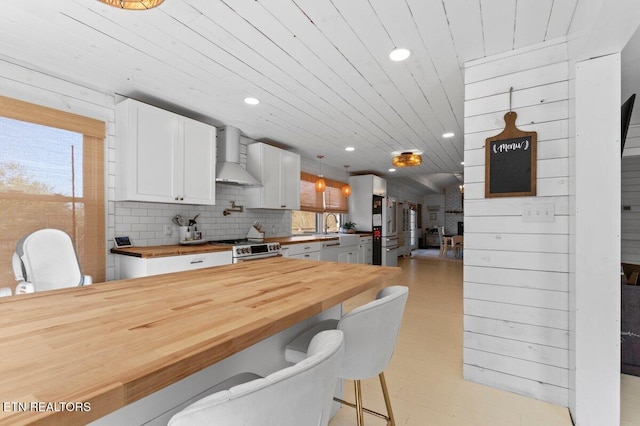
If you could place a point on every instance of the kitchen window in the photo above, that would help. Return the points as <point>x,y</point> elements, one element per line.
<point>303,222</point>
<point>51,176</point>
<point>318,209</point>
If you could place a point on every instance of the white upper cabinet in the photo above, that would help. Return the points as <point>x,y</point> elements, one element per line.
<point>199,173</point>
<point>163,157</point>
<point>279,172</point>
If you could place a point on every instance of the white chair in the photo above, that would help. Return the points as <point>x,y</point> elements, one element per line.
<point>457,243</point>
<point>46,260</point>
<point>299,395</point>
<point>443,241</point>
<point>370,331</point>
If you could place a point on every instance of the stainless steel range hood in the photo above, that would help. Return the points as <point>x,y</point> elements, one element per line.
<point>228,169</point>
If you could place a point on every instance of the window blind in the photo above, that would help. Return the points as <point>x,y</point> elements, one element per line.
<point>331,200</point>
<point>51,176</point>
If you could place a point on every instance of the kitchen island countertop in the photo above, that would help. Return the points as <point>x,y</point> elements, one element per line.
<point>110,344</point>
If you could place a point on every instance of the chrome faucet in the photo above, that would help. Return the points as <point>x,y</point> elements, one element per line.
<point>326,221</point>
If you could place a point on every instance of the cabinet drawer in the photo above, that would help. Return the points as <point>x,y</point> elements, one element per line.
<point>134,267</point>
<point>304,248</point>
<point>314,255</point>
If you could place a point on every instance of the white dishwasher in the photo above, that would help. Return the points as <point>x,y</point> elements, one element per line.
<point>330,251</point>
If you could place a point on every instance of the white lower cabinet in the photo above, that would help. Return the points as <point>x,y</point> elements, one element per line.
<point>366,250</point>
<point>306,256</point>
<point>305,251</point>
<point>348,254</point>
<point>134,267</point>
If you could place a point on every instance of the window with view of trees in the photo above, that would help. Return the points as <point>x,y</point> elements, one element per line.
<point>51,176</point>
<point>316,208</point>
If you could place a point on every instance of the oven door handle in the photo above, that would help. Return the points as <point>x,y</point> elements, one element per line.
<point>257,257</point>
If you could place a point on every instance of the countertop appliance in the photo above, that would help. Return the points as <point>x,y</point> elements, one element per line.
<point>243,250</point>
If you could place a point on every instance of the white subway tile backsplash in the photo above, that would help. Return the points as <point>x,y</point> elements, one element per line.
<point>147,220</point>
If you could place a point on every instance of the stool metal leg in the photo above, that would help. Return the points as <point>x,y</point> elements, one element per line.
<point>360,409</point>
<point>387,400</point>
<point>359,412</point>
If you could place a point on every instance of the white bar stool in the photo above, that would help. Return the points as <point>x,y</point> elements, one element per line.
<point>371,331</point>
<point>299,395</point>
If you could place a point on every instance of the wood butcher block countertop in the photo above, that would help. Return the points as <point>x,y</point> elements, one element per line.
<point>169,250</point>
<point>113,343</point>
<point>179,249</point>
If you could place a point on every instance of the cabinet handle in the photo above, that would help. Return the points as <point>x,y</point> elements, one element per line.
<point>307,248</point>
<point>176,198</point>
<point>283,206</point>
<point>306,255</point>
<point>193,262</point>
<point>181,198</point>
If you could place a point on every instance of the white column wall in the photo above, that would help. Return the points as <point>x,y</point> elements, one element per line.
<point>594,289</point>
<point>516,273</point>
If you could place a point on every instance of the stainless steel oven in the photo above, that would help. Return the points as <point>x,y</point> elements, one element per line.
<point>245,250</point>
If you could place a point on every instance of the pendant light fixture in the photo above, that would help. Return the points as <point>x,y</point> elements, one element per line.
<point>407,159</point>
<point>346,188</point>
<point>320,184</point>
<point>133,4</point>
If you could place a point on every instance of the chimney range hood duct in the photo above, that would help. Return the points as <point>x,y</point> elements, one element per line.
<point>228,169</point>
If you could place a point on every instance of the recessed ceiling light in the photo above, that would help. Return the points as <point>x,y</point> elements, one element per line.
<point>350,149</point>
<point>251,101</point>
<point>448,135</point>
<point>462,162</point>
<point>399,54</point>
<point>392,170</point>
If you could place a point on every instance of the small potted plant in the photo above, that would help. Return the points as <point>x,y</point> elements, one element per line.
<point>348,228</point>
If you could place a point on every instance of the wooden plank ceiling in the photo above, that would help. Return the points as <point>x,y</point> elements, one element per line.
<point>319,67</point>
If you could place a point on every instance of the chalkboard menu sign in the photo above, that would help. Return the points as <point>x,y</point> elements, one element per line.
<point>510,162</point>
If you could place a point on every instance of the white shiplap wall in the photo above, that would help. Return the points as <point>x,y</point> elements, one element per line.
<point>516,273</point>
<point>630,230</point>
